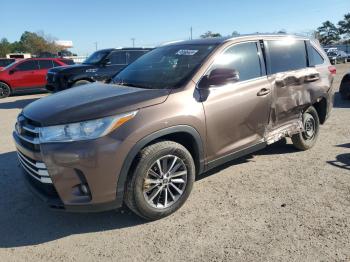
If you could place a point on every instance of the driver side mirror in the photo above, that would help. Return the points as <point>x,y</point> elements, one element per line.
<point>106,62</point>
<point>219,76</point>
<point>12,71</point>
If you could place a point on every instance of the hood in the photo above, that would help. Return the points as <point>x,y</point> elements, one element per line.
<point>91,102</point>
<point>71,68</point>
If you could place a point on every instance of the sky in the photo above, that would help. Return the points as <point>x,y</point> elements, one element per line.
<point>113,23</point>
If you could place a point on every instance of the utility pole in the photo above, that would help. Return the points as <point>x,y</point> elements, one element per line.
<point>191,33</point>
<point>133,42</point>
<point>95,45</point>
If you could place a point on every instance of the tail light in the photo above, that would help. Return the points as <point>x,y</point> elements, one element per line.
<point>332,70</point>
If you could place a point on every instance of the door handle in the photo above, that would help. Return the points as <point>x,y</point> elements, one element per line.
<point>312,78</point>
<point>264,92</point>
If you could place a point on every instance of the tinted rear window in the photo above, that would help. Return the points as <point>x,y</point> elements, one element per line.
<point>286,55</point>
<point>118,58</point>
<point>133,55</point>
<point>45,64</point>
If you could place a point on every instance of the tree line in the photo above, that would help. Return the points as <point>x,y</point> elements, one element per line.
<point>30,42</point>
<point>327,34</point>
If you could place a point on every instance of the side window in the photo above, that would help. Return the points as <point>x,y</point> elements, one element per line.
<point>28,66</point>
<point>286,55</point>
<point>133,55</point>
<point>118,58</point>
<point>45,64</point>
<point>314,56</point>
<point>242,57</point>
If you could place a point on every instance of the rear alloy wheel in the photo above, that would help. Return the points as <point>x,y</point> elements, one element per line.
<point>5,90</point>
<point>307,139</point>
<point>161,180</point>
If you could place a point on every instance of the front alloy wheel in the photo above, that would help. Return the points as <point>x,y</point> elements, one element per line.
<point>5,90</point>
<point>165,182</point>
<point>160,181</point>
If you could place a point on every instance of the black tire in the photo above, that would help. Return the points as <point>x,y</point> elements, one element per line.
<point>5,90</point>
<point>80,83</point>
<point>344,89</point>
<point>135,196</point>
<point>307,139</point>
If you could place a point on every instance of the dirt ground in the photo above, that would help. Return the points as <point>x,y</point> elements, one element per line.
<point>278,204</point>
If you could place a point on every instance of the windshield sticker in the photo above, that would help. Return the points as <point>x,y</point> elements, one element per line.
<point>186,52</point>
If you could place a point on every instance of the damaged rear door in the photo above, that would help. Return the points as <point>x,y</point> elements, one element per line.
<point>295,84</point>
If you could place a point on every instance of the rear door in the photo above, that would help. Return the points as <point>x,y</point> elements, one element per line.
<point>289,75</point>
<point>44,66</point>
<point>23,75</point>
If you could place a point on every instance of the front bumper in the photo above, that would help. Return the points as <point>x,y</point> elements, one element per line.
<point>95,164</point>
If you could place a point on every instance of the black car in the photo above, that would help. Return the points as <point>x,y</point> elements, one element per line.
<point>100,66</point>
<point>337,57</point>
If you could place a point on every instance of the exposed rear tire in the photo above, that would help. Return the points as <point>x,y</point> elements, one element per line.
<point>80,83</point>
<point>161,180</point>
<point>307,139</point>
<point>5,90</point>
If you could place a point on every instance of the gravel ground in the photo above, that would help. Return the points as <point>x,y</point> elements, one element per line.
<point>278,204</point>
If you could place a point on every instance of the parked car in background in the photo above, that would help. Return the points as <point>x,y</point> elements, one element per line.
<point>175,113</point>
<point>336,57</point>
<point>27,75</point>
<point>100,66</point>
<point>330,49</point>
<point>344,88</point>
<point>5,62</point>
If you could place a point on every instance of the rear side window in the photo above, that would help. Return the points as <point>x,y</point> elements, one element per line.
<point>242,57</point>
<point>45,64</point>
<point>133,55</point>
<point>286,55</point>
<point>118,58</point>
<point>28,65</point>
<point>314,56</point>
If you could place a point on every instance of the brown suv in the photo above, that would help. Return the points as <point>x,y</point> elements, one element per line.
<point>173,114</point>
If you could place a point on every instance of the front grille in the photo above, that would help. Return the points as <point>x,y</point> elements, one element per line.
<point>35,169</point>
<point>28,133</point>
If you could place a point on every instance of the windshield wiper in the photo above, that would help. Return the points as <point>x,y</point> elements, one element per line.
<point>122,83</point>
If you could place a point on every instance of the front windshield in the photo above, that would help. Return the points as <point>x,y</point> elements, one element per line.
<point>10,65</point>
<point>96,57</point>
<point>164,67</point>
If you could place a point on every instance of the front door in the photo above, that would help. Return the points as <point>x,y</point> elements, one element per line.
<point>237,113</point>
<point>23,75</point>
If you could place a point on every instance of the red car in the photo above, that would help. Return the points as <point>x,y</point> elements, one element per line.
<point>27,75</point>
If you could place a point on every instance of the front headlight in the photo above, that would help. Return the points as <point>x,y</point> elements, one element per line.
<point>91,129</point>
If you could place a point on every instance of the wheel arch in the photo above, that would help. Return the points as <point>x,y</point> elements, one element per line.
<point>321,108</point>
<point>183,134</point>
<point>345,84</point>
<point>5,82</point>
<point>80,78</point>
